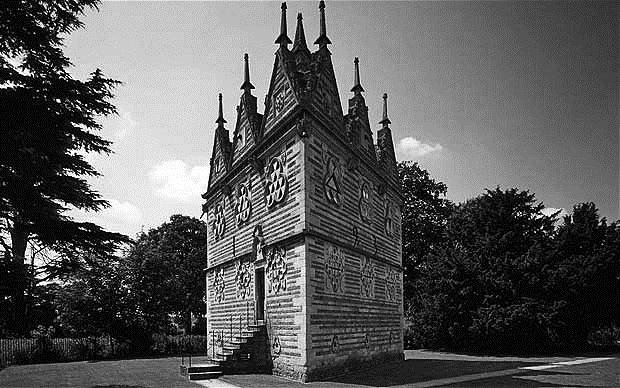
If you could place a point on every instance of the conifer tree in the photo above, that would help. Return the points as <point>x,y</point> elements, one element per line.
<point>48,122</point>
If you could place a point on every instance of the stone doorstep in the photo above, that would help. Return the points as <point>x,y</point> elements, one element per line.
<point>205,375</point>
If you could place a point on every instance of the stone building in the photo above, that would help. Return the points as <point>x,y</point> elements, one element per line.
<point>304,272</point>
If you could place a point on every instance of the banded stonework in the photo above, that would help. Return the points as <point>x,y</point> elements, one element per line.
<point>304,231</point>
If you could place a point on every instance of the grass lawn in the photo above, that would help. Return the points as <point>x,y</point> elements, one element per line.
<point>138,373</point>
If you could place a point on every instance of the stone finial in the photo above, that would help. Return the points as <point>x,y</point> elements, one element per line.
<point>220,117</point>
<point>322,40</point>
<point>283,40</point>
<point>385,121</point>
<point>357,87</point>
<point>300,36</point>
<point>247,85</point>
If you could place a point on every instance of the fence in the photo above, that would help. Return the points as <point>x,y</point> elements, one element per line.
<point>44,349</point>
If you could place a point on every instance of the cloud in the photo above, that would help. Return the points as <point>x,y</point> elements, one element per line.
<point>174,179</point>
<point>124,124</point>
<point>121,216</point>
<point>122,212</point>
<point>548,211</point>
<point>410,147</point>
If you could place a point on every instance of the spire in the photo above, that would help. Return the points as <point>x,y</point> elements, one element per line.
<point>300,36</point>
<point>283,39</point>
<point>247,85</point>
<point>357,87</point>
<point>322,40</point>
<point>220,118</point>
<point>385,121</point>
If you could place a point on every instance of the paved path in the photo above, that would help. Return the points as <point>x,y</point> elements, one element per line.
<point>420,369</point>
<point>435,369</point>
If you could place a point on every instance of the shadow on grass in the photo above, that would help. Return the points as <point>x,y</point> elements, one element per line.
<point>118,386</point>
<point>529,379</point>
<point>416,371</point>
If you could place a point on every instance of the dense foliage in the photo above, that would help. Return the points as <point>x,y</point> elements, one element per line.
<point>425,211</point>
<point>151,289</point>
<point>48,122</point>
<point>505,279</point>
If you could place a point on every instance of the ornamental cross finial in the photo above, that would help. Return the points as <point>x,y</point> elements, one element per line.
<point>385,121</point>
<point>283,39</point>
<point>247,85</point>
<point>357,87</point>
<point>220,117</point>
<point>322,40</point>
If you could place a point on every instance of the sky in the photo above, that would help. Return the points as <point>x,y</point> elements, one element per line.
<point>481,94</point>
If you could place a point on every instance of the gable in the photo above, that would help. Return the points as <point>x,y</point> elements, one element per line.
<point>325,98</point>
<point>281,97</point>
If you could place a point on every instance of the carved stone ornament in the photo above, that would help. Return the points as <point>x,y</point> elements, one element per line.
<point>276,270</point>
<point>334,269</point>
<point>243,280</point>
<point>332,178</point>
<point>335,345</point>
<point>391,278</point>
<point>353,163</point>
<point>276,182</point>
<point>218,285</point>
<point>367,278</point>
<point>364,202</point>
<point>226,190</point>
<point>218,221</point>
<point>356,235</point>
<point>243,205</point>
<point>258,243</point>
<point>276,348</point>
<point>257,164</point>
<point>278,101</point>
<point>390,223</point>
<point>303,128</point>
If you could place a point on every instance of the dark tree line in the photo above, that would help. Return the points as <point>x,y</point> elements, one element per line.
<point>499,275</point>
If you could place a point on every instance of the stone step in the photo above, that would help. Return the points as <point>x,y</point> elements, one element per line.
<point>205,375</point>
<point>204,368</point>
<point>224,352</point>
<point>217,360</point>
<point>230,346</point>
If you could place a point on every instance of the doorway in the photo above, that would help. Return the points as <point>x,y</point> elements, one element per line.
<point>260,294</point>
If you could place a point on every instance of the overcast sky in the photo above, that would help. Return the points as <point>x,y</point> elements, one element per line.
<point>515,94</point>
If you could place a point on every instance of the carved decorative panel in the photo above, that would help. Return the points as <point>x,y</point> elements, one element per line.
<point>335,345</point>
<point>276,182</point>
<point>276,348</point>
<point>364,202</point>
<point>258,243</point>
<point>276,270</point>
<point>334,269</point>
<point>278,102</point>
<point>243,206</point>
<point>332,178</point>
<point>389,221</point>
<point>391,278</point>
<point>218,285</point>
<point>218,221</point>
<point>367,278</point>
<point>243,280</point>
